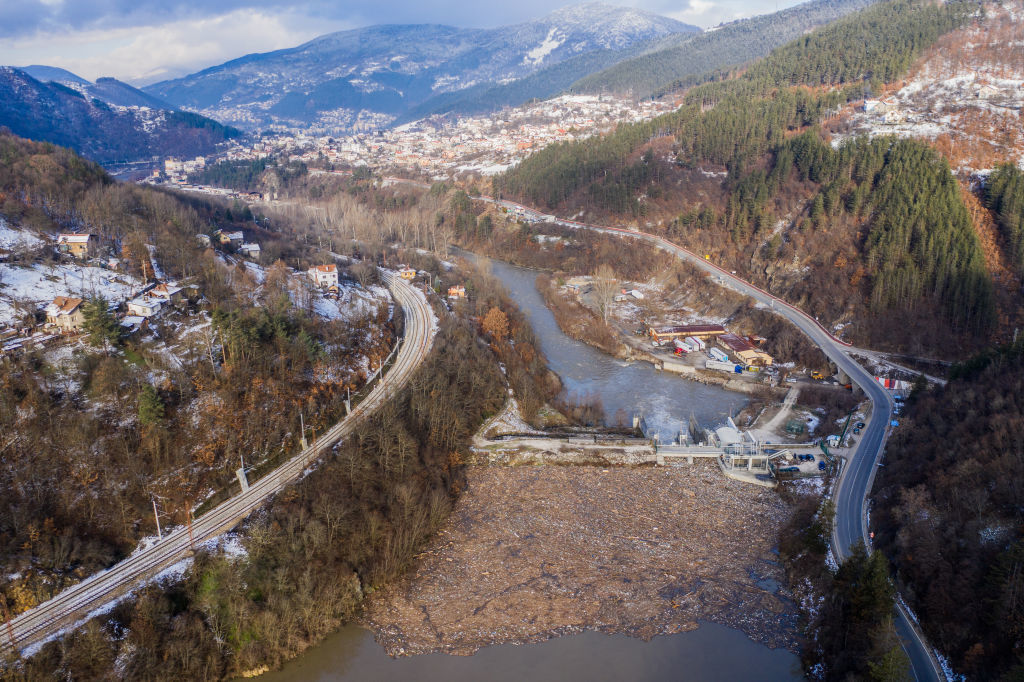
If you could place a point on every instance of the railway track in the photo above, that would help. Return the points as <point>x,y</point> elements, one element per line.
<point>75,603</point>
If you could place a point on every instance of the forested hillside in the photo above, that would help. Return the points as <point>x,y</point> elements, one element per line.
<point>91,436</point>
<point>52,112</point>
<point>947,512</point>
<point>843,232</point>
<point>1004,191</point>
<point>91,432</point>
<point>739,119</point>
<point>678,61</point>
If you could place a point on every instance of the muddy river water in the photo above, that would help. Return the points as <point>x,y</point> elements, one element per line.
<point>711,652</point>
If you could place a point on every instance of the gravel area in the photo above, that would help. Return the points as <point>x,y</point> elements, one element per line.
<point>533,552</point>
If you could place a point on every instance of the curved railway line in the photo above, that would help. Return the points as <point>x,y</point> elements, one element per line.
<point>74,603</point>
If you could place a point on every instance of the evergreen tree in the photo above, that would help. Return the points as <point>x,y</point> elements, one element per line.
<point>151,407</point>
<point>100,326</point>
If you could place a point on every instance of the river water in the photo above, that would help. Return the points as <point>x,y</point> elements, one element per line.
<point>711,652</point>
<point>665,400</point>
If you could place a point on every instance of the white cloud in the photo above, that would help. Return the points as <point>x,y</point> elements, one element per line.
<point>146,54</point>
<point>709,13</point>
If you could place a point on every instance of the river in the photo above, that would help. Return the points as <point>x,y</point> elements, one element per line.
<point>711,652</point>
<point>664,399</point>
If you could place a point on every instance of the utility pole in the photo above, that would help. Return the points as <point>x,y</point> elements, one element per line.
<point>7,620</point>
<point>159,535</point>
<point>191,540</point>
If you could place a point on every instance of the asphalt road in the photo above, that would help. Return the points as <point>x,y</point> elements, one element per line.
<point>858,473</point>
<point>76,602</point>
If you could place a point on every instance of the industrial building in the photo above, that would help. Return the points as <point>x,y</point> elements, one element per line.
<point>697,331</point>
<point>744,351</point>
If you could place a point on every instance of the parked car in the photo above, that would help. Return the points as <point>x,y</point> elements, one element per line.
<point>856,431</point>
<point>790,380</point>
<point>860,425</point>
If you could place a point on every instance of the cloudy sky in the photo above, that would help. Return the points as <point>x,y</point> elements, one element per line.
<point>142,41</point>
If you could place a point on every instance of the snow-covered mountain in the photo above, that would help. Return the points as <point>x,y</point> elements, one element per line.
<point>369,76</point>
<point>72,112</point>
<point>109,90</point>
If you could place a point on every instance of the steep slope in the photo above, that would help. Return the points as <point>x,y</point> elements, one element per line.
<point>947,511</point>
<point>543,84</point>
<point>54,112</point>
<point>844,232</point>
<point>109,90</point>
<point>682,59</point>
<point>372,75</point>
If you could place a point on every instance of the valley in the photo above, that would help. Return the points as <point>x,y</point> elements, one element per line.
<point>590,345</point>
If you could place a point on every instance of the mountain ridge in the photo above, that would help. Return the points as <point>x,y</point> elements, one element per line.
<point>105,132</point>
<point>678,61</point>
<point>374,74</point>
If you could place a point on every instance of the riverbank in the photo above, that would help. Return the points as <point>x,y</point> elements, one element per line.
<point>579,322</point>
<point>530,553</point>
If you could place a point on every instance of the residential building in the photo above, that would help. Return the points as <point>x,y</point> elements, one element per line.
<point>146,306</point>
<point>324,275</point>
<point>170,293</point>
<point>250,251</point>
<point>77,245</point>
<point>232,238</point>
<point>406,272</point>
<point>457,291</point>
<point>65,313</point>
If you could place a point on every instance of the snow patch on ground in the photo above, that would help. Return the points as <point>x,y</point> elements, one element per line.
<point>353,303</point>
<point>830,561</point>
<point>808,486</point>
<point>947,669</point>
<point>13,239</point>
<point>549,45</point>
<point>38,285</point>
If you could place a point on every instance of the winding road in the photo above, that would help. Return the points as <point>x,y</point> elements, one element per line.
<point>858,472</point>
<point>75,603</point>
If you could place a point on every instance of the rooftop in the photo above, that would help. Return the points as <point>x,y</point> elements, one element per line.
<point>63,305</point>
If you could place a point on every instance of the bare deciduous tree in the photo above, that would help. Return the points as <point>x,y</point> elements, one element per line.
<point>605,288</point>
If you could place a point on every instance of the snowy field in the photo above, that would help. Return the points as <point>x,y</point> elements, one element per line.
<point>37,285</point>
<point>14,239</point>
<point>354,302</point>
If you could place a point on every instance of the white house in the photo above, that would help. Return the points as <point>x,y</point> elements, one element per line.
<point>324,275</point>
<point>169,293</point>
<point>146,306</point>
<point>250,251</point>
